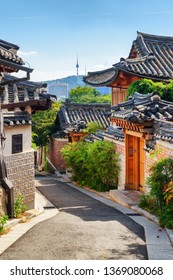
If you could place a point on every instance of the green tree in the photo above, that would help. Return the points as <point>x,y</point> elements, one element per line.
<point>146,86</point>
<point>87,94</point>
<point>44,125</point>
<point>92,127</point>
<point>93,164</point>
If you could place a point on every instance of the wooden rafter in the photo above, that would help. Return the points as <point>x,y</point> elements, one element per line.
<point>144,127</point>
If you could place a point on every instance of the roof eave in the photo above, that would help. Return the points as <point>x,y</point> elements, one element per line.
<point>15,66</point>
<point>106,83</point>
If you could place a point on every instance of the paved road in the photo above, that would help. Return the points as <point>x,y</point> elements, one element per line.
<point>84,229</point>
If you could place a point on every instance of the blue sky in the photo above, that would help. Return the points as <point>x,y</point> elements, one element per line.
<point>51,33</point>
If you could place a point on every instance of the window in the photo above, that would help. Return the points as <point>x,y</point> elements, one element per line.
<point>17,143</point>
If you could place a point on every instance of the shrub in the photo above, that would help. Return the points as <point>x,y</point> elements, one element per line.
<point>93,164</point>
<point>166,216</point>
<point>148,203</point>
<point>161,174</point>
<point>19,206</point>
<point>3,220</point>
<point>160,199</point>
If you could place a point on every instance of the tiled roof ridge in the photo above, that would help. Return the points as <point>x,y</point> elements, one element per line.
<point>87,105</point>
<point>147,36</point>
<point>8,45</point>
<point>141,44</point>
<point>125,62</point>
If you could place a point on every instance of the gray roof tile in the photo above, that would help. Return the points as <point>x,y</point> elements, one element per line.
<point>75,116</point>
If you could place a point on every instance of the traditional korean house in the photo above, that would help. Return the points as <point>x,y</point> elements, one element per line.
<point>75,116</point>
<point>146,122</point>
<point>72,119</point>
<point>150,57</point>
<point>19,99</point>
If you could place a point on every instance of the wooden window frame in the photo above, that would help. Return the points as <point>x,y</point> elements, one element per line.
<point>17,143</point>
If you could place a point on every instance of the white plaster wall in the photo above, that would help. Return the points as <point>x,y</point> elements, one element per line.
<point>9,131</point>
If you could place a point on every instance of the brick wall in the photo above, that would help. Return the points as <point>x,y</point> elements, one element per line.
<point>163,149</point>
<point>21,173</point>
<point>54,154</point>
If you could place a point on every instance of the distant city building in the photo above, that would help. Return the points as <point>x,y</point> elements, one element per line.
<point>59,89</point>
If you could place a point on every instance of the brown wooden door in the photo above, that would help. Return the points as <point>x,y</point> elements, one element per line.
<point>141,164</point>
<point>134,163</point>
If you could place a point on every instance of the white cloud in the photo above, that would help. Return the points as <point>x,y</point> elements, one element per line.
<point>38,76</point>
<point>98,67</point>
<point>27,53</point>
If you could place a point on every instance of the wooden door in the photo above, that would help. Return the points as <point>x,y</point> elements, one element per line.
<point>135,162</point>
<point>141,164</point>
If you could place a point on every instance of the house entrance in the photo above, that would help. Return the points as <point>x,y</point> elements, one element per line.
<point>135,162</point>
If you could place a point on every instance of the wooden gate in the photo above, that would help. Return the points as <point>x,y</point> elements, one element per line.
<point>135,162</point>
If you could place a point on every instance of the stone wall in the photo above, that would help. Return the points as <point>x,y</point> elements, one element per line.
<point>54,152</point>
<point>21,173</point>
<point>3,205</point>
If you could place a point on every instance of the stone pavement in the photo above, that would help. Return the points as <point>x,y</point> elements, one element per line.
<point>158,240</point>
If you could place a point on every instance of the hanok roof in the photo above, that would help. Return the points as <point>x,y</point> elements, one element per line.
<point>75,116</point>
<point>17,118</point>
<point>151,56</point>
<point>163,130</point>
<point>142,108</point>
<point>9,59</point>
<point>18,94</point>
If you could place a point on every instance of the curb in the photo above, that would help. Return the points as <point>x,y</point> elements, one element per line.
<point>31,214</point>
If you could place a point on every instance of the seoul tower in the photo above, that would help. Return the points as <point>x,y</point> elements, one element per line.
<point>77,66</point>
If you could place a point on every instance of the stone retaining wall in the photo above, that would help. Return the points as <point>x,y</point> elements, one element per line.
<point>21,173</point>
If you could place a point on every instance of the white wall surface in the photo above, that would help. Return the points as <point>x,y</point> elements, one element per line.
<point>9,131</point>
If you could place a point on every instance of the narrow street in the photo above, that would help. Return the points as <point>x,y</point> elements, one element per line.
<point>84,229</point>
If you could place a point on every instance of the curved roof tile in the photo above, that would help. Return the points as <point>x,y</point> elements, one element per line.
<point>103,77</point>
